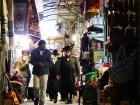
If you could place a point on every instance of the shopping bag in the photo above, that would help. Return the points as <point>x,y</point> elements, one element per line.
<point>122,70</point>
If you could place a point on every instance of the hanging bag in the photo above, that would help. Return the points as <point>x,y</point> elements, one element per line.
<point>122,70</point>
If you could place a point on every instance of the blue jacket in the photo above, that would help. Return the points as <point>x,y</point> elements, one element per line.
<point>45,58</point>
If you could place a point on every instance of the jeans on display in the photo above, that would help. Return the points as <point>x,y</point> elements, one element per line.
<point>40,86</point>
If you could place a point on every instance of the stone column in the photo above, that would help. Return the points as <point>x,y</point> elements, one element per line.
<point>10,32</point>
<point>3,44</point>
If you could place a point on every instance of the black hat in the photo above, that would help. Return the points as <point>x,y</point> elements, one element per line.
<point>41,42</point>
<point>67,48</point>
<point>55,52</point>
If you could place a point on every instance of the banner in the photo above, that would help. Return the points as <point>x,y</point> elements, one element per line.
<point>20,17</point>
<point>33,26</point>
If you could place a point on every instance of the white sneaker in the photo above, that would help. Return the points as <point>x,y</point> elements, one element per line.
<point>25,100</point>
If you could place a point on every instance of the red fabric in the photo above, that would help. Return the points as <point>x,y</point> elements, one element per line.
<point>93,84</point>
<point>82,7</point>
<point>106,65</point>
<point>84,62</point>
<point>91,3</point>
<point>100,4</point>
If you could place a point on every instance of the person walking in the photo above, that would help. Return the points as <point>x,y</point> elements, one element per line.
<point>53,80</point>
<point>25,74</point>
<point>41,61</point>
<point>69,70</point>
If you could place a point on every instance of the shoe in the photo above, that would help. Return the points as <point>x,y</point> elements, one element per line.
<point>63,100</point>
<point>69,102</point>
<point>25,100</point>
<point>55,100</point>
<point>51,99</point>
<point>36,101</point>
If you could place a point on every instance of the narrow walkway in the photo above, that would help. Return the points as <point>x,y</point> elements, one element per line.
<point>48,102</point>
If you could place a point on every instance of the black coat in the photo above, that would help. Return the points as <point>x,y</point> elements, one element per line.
<point>45,58</point>
<point>53,84</point>
<point>68,70</point>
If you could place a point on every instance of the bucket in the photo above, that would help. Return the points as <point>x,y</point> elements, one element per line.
<point>90,77</point>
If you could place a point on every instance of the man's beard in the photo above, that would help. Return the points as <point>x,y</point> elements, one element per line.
<point>42,48</point>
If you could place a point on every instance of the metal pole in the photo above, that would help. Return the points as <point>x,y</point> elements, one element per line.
<point>105,25</point>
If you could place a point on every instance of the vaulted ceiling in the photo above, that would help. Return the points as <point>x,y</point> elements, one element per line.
<point>69,12</point>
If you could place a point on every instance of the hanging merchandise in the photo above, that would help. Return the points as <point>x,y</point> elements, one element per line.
<point>101,4</point>
<point>91,3</point>
<point>85,43</point>
<point>122,22</point>
<point>95,29</point>
<point>84,55</point>
<point>123,67</point>
<point>122,31</point>
<point>91,8</point>
<point>94,10</point>
<point>117,36</point>
<point>33,26</point>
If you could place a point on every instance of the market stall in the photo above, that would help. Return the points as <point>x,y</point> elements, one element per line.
<point>121,17</point>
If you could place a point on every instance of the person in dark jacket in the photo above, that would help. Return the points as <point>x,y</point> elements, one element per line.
<point>69,69</point>
<point>85,42</point>
<point>53,80</point>
<point>41,61</point>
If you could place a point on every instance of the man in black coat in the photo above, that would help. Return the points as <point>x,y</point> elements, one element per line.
<point>53,80</point>
<point>69,70</point>
<point>41,61</point>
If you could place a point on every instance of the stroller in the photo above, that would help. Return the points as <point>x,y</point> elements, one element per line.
<point>88,89</point>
